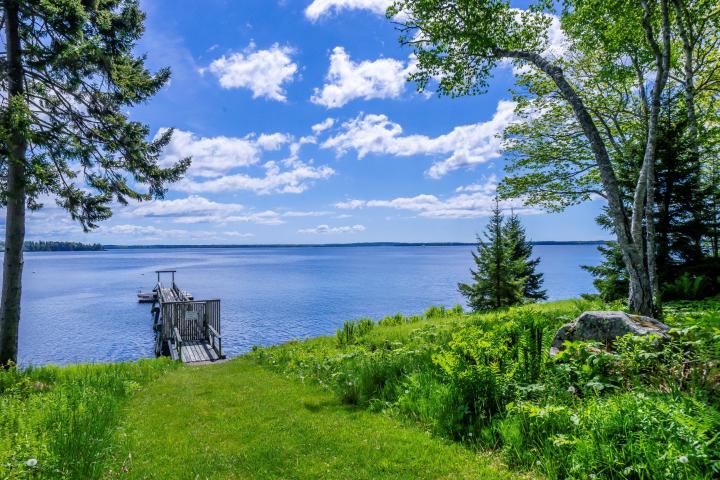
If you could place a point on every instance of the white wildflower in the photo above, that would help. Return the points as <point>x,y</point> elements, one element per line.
<point>31,462</point>
<point>572,389</point>
<point>683,459</point>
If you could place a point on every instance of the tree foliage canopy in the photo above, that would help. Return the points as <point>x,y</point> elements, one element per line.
<point>81,76</point>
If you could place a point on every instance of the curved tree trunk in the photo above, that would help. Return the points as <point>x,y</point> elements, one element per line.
<point>16,197</point>
<point>641,292</point>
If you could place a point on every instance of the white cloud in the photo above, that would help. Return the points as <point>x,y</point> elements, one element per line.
<point>488,187</point>
<point>216,161</point>
<point>328,230</point>
<point>294,213</point>
<point>196,209</point>
<point>320,8</point>
<point>479,203</point>
<point>213,156</point>
<point>322,126</point>
<point>144,230</point>
<point>262,71</point>
<point>238,234</point>
<point>347,80</point>
<point>351,204</point>
<point>295,179</point>
<point>467,145</point>
<point>273,141</point>
<point>192,205</point>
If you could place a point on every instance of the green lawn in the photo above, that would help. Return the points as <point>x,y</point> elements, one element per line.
<point>239,420</point>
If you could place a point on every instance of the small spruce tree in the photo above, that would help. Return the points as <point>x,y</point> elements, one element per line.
<point>521,251</point>
<point>497,280</point>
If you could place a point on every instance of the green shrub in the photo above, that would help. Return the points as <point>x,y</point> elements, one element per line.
<point>687,287</point>
<point>436,311</point>
<point>354,329</point>
<point>630,435</point>
<point>391,321</point>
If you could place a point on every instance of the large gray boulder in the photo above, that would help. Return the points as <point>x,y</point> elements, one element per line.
<point>604,327</point>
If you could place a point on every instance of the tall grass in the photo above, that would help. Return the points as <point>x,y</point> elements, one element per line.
<point>57,422</point>
<point>648,409</point>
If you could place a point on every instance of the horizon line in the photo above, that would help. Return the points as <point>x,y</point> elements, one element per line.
<point>348,244</point>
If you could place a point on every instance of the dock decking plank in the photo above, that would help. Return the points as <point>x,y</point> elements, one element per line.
<point>198,351</point>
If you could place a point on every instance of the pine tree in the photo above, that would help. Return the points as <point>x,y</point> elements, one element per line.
<point>497,280</point>
<point>69,76</point>
<point>521,251</point>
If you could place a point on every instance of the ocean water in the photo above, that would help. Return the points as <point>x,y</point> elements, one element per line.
<point>82,306</point>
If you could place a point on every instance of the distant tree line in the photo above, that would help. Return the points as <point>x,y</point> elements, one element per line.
<point>43,246</point>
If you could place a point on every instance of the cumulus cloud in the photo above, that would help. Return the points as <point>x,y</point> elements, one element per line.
<point>467,145</point>
<point>322,126</point>
<point>217,163</point>
<point>262,71</point>
<point>144,230</point>
<point>347,80</point>
<point>197,209</point>
<point>328,230</point>
<point>296,179</point>
<point>320,8</point>
<point>213,156</point>
<point>182,207</point>
<point>489,186</point>
<point>148,233</point>
<point>478,203</point>
<point>238,234</point>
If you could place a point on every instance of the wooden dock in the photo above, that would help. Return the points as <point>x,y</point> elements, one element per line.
<point>185,329</point>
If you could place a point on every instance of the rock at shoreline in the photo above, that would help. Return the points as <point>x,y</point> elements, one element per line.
<point>604,327</point>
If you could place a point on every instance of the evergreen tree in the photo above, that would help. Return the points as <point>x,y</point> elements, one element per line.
<point>610,275</point>
<point>521,251</point>
<point>69,77</point>
<point>497,280</point>
<point>683,222</point>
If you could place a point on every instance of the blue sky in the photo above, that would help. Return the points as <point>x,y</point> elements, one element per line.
<point>303,130</point>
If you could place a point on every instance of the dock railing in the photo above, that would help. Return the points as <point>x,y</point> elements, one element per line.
<point>194,320</point>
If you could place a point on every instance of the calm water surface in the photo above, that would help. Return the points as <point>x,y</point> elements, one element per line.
<point>82,306</point>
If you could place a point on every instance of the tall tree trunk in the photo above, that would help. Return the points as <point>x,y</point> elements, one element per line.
<point>662,70</point>
<point>16,198</point>
<point>640,296</point>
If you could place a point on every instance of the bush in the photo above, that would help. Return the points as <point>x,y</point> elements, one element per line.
<point>687,287</point>
<point>630,435</point>
<point>354,329</point>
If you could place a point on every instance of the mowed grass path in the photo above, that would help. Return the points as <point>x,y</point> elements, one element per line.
<point>239,420</point>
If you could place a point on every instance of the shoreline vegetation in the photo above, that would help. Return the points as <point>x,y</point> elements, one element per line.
<point>54,246</point>
<point>445,394</point>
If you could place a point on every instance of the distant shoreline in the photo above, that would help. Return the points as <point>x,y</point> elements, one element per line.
<point>359,244</point>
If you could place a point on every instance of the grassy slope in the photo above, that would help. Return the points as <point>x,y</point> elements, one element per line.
<point>239,420</point>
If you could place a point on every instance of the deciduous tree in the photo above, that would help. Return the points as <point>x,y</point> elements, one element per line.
<point>458,43</point>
